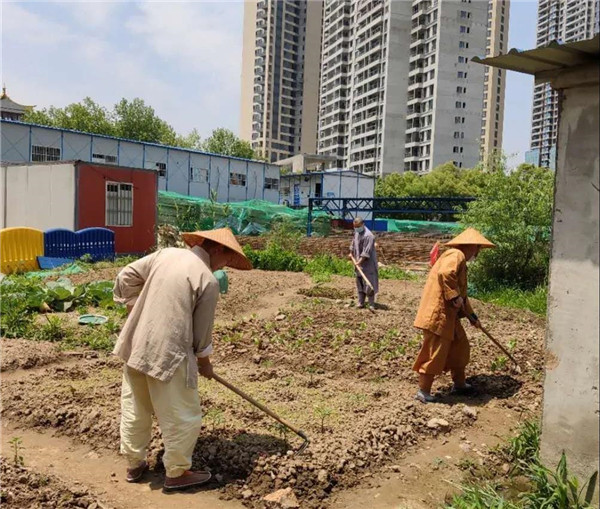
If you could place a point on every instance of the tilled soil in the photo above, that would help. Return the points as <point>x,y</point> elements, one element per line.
<point>22,354</point>
<point>340,374</point>
<point>392,247</point>
<point>24,488</point>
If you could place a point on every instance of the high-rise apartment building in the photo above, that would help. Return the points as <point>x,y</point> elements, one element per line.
<point>280,76</point>
<point>565,21</point>
<point>398,90</point>
<point>494,80</point>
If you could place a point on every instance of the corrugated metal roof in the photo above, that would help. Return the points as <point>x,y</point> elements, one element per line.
<point>545,61</point>
<point>137,142</point>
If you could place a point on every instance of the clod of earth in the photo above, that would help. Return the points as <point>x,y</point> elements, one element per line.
<point>282,499</point>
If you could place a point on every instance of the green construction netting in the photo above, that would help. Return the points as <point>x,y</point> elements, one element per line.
<point>252,217</point>
<point>407,226</point>
<point>66,270</point>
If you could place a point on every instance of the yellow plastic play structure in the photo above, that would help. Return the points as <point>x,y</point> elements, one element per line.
<point>19,249</point>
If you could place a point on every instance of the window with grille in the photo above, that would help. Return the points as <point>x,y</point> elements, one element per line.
<point>271,183</point>
<point>237,179</point>
<point>162,169</point>
<point>41,153</point>
<point>199,175</point>
<point>119,204</point>
<point>102,158</point>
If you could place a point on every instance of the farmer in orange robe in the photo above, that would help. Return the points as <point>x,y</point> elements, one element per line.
<point>443,304</point>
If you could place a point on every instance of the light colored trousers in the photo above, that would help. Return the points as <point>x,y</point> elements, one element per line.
<point>177,408</point>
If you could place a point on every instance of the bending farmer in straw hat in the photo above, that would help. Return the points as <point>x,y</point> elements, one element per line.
<point>171,296</point>
<point>443,304</point>
<point>362,250</point>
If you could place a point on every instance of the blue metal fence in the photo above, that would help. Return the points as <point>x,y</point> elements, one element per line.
<point>98,243</point>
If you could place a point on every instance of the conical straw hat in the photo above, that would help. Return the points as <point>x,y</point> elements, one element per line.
<point>470,236</point>
<point>225,237</point>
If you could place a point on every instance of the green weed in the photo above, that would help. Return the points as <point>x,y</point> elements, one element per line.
<point>323,413</point>
<point>17,446</point>
<point>54,330</point>
<point>533,300</point>
<point>499,363</point>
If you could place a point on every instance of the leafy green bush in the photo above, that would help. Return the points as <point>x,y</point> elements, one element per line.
<point>284,234</point>
<point>33,294</point>
<point>445,180</point>
<point>322,267</point>
<point>275,258</point>
<point>515,212</point>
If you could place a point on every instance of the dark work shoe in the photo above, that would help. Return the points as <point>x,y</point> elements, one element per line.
<point>135,474</point>
<point>187,480</point>
<point>465,390</point>
<point>424,397</point>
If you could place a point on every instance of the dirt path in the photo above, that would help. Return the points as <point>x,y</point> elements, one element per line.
<point>425,477</point>
<point>102,472</point>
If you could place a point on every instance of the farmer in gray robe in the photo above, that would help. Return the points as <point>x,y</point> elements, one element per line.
<point>362,250</point>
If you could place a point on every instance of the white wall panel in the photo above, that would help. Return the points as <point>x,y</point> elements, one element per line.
<point>40,196</point>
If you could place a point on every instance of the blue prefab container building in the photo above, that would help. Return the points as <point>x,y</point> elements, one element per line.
<point>188,172</point>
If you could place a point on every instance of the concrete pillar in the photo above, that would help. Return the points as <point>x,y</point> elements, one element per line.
<point>571,408</point>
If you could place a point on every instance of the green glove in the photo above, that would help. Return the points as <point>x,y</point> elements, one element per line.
<point>221,277</point>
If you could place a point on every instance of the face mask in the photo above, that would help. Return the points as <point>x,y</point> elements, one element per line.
<point>360,229</point>
<point>221,277</point>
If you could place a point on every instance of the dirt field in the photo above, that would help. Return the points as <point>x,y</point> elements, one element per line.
<point>340,374</point>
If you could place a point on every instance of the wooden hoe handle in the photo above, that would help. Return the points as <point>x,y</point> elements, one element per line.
<point>272,414</point>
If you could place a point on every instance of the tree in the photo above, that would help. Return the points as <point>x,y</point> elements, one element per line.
<point>85,116</point>
<point>135,120</point>
<point>515,212</point>
<point>223,141</point>
<point>192,140</point>
<point>128,119</point>
<point>444,180</point>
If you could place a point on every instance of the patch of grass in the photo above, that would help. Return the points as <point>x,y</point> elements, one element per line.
<point>481,496</point>
<point>54,330</point>
<point>544,488</point>
<point>15,319</point>
<point>392,272</point>
<point>533,300</point>
<point>322,267</point>
<point>98,337</point>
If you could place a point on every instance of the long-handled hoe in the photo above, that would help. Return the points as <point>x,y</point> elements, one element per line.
<point>272,414</point>
<point>499,345</point>
<point>369,289</point>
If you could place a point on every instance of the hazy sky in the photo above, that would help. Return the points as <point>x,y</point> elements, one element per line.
<point>183,58</point>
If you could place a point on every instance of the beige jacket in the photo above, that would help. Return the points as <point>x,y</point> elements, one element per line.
<point>174,296</point>
<point>447,279</point>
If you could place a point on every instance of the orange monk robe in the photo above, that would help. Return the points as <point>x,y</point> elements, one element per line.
<point>445,346</point>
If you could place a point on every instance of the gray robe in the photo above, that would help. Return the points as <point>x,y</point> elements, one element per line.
<point>363,245</point>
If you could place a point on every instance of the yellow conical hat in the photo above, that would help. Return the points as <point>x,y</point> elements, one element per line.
<point>225,237</point>
<point>470,236</point>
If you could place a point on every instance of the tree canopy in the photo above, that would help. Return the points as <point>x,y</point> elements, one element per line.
<point>515,212</point>
<point>224,141</point>
<point>135,120</point>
